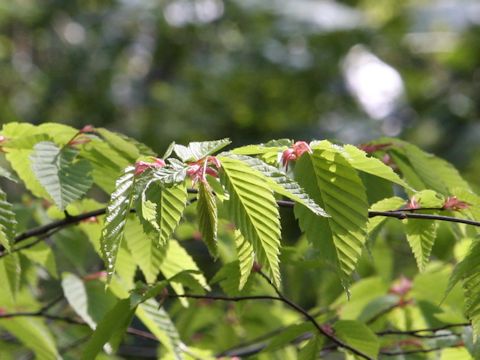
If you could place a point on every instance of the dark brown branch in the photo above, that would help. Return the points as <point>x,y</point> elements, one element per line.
<point>72,220</point>
<point>418,331</point>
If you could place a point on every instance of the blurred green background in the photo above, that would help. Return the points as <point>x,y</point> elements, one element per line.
<point>250,70</point>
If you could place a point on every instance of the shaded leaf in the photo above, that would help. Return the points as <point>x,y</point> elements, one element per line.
<point>8,222</point>
<point>358,336</point>
<point>421,236</point>
<point>207,217</point>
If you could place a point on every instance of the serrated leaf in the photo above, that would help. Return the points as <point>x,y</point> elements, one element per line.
<point>421,236</point>
<point>159,323</point>
<point>333,183</point>
<point>360,161</point>
<point>229,278</point>
<point>63,177</point>
<point>468,271</point>
<point>198,150</point>
<point>170,210</point>
<point>246,258</point>
<point>8,222</point>
<point>7,174</point>
<point>283,185</point>
<point>253,209</point>
<point>173,173</point>
<point>359,336</point>
<point>116,216</point>
<point>112,326</point>
<point>176,260</point>
<point>207,217</point>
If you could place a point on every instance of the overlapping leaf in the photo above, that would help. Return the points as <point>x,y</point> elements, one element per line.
<point>468,271</point>
<point>117,211</point>
<point>282,184</point>
<point>246,258</point>
<point>63,177</point>
<point>333,183</point>
<point>358,336</point>
<point>207,217</point>
<point>198,150</point>
<point>8,222</point>
<point>253,209</point>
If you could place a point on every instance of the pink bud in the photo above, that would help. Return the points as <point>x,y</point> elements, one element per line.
<point>413,203</point>
<point>452,203</point>
<point>87,129</point>
<point>141,166</point>
<point>95,276</point>
<point>371,148</point>
<point>301,147</point>
<point>401,287</point>
<point>159,163</point>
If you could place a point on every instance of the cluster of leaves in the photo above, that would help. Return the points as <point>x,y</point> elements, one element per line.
<point>342,196</point>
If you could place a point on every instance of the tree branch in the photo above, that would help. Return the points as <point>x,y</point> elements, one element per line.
<point>281,298</point>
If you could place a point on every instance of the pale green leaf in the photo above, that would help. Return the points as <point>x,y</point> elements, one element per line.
<point>280,183</point>
<point>253,209</point>
<point>288,335</point>
<point>312,349</point>
<point>144,248</point>
<point>421,236</point>
<point>229,278</point>
<point>63,177</point>
<point>246,258</point>
<point>42,255</point>
<point>334,184</point>
<point>360,161</point>
<point>170,209</point>
<point>117,212</point>
<point>11,264</point>
<point>207,217</point>
<point>34,334</point>
<point>358,336</point>
<point>176,260</point>
<point>76,295</point>
<point>390,204</point>
<point>198,150</point>
<point>8,222</point>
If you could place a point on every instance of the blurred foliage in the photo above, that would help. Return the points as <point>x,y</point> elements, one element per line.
<point>204,69</point>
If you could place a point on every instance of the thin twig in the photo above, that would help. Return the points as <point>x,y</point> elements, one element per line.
<point>296,307</point>
<point>417,331</point>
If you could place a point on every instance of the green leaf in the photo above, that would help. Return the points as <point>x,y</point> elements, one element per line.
<point>170,210</point>
<point>421,236</point>
<point>121,144</point>
<point>42,255</point>
<point>176,260</point>
<point>360,161</point>
<point>8,222</point>
<point>358,336</point>
<point>468,270</point>
<point>253,209</point>
<point>117,211</point>
<point>282,184</point>
<point>11,264</point>
<point>334,184</point>
<point>198,150</point>
<point>65,179</point>
<point>390,204</point>
<point>174,173</point>
<point>246,258</point>
<point>288,335</point>
<point>76,294</point>
<point>207,217</point>
<point>229,278</point>
<point>424,170</point>
<point>113,325</point>
<point>7,174</point>
<point>157,320</point>
<point>34,334</point>
<point>144,248</point>
<point>312,349</point>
